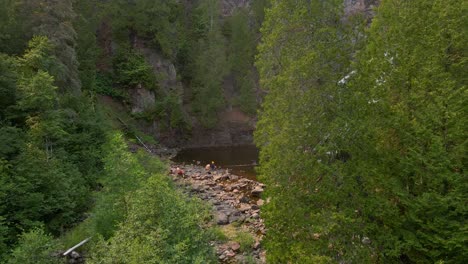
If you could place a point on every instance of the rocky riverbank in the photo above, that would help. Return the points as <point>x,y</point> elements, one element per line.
<point>236,208</point>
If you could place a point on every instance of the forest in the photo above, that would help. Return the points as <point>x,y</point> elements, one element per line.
<point>358,109</point>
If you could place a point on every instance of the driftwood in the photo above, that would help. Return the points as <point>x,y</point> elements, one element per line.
<point>76,246</point>
<point>137,137</point>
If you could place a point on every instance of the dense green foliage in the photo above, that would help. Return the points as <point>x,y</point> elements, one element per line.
<point>35,247</point>
<point>241,59</point>
<point>187,36</point>
<point>50,147</point>
<point>131,70</point>
<point>60,162</point>
<point>209,64</point>
<point>139,217</point>
<point>158,21</point>
<point>362,133</point>
<point>220,52</point>
<point>150,221</point>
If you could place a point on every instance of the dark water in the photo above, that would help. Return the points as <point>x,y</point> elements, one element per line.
<point>240,160</point>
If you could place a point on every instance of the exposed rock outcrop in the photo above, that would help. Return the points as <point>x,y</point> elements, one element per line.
<point>142,99</point>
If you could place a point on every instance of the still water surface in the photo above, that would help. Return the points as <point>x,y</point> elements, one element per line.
<point>240,160</point>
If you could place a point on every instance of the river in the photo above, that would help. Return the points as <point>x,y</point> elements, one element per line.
<point>240,160</point>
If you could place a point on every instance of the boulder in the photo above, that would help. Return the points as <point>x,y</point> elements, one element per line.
<point>244,207</point>
<point>222,218</point>
<point>366,241</point>
<point>237,216</point>
<point>229,253</point>
<point>256,245</point>
<point>244,199</point>
<point>234,246</point>
<point>257,191</point>
<point>222,177</point>
<point>141,99</point>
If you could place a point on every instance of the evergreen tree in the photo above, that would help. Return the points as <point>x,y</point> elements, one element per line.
<point>86,23</point>
<point>364,161</point>
<point>241,58</point>
<point>43,140</point>
<point>209,65</point>
<point>305,50</point>
<point>8,78</point>
<point>54,19</point>
<point>409,87</point>
<point>35,247</point>
<point>156,21</point>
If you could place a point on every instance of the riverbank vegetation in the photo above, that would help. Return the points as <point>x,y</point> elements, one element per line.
<point>362,133</point>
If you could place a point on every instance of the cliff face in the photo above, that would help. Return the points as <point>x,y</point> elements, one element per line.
<point>234,126</point>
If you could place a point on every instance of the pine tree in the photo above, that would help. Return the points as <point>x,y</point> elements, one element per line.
<point>210,65</point>
<point>241,58</point>
<point>411,130</point>
<point>364,160</point>
<point>306,49</point>
<point>54,19</point>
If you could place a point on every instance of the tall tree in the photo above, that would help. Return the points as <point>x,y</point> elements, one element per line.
<point>156,21</point>
<point>210,65</point>
<point>241,59</point>
<point>370,153</point>
<point>411,146</point>
<point>54,19</point>
<point>306,49</point>
<point>86,23</point>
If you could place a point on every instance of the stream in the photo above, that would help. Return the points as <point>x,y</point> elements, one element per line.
<point>240,160</point>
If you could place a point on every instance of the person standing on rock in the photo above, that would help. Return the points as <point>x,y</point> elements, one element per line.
<point>180,172</point>
<point>212,166</point>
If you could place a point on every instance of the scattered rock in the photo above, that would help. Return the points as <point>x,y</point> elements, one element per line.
<point>75,255</point>
<point>244,199</point>
<point>229,253</point>
<point>231,197</point>
<point>235,217</point>
<point>234,246</point>
<point>221,177</point>
<point>222,219</point>
<point>197,188</point>
<point>244,207</point>
<point>257,191</point>
<point>366,241</point>
<point>256,245</point>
